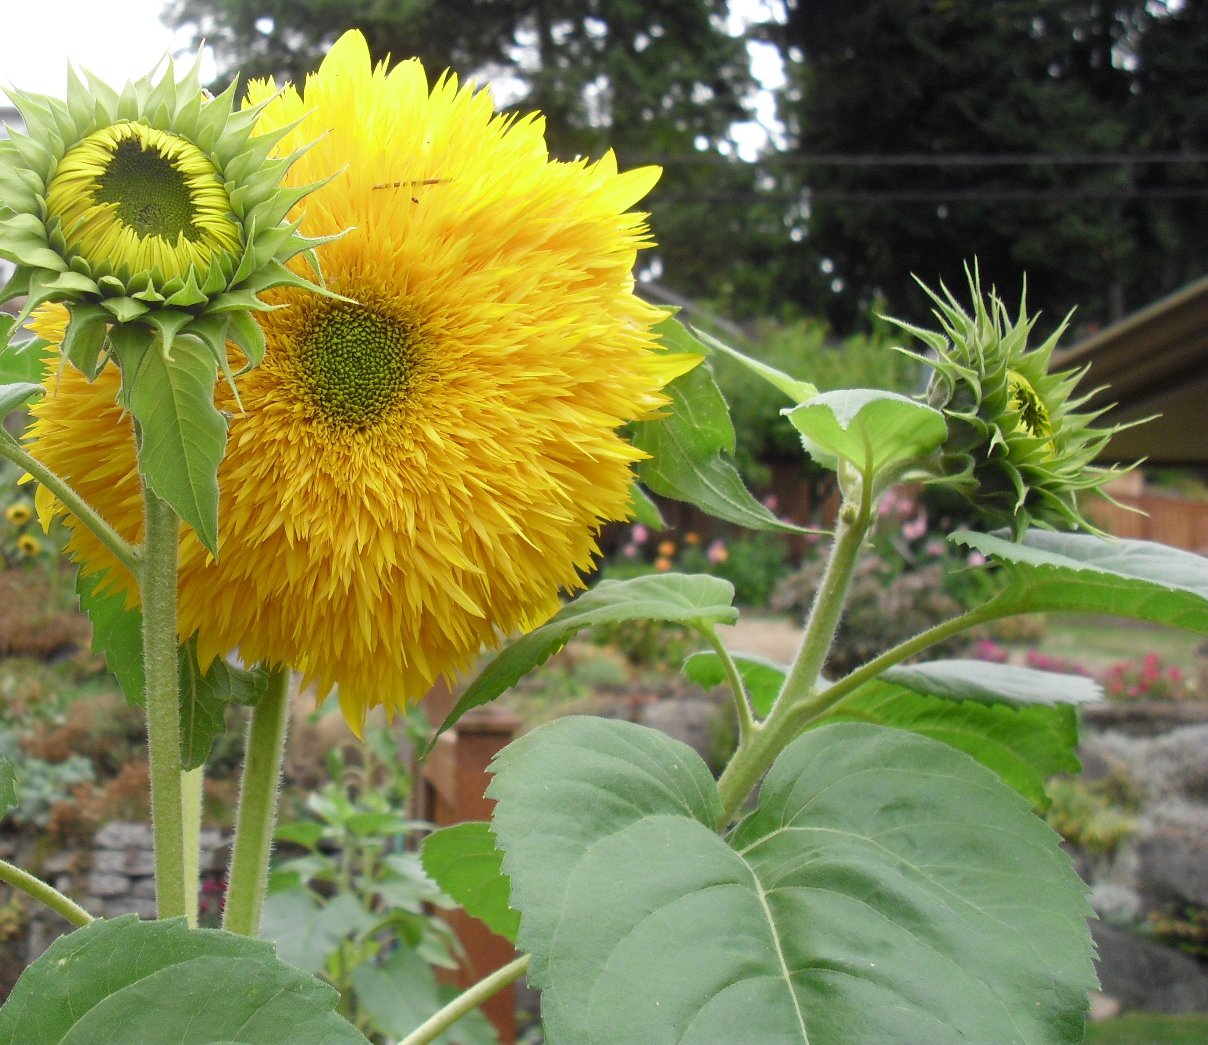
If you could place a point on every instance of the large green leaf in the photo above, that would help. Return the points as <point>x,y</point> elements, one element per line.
<point>677,598</point>
<point>690,445</point>
<point>1025,745</point>
<point>1086,574</point>
<point>465,862</point>
<point>877,432</point>
<point>886,888</point>
<point>182,435</point>
<point>130,982</point>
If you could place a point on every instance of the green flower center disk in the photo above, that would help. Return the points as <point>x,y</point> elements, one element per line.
<point>357,363</point>
<point>134,199</point>
<point>151,195</point>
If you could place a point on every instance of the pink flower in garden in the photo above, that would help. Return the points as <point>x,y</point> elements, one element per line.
<point>915,529</point>
<point>976,559</point>
<point>716,552</point>
<point>771,502</point>
<point>934,548</point>
<point>639,534</point>
<point>630,551</point>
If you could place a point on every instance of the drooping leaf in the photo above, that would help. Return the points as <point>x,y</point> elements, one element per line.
<point>886,888</point>
<point>644,510</point>
<point>988,683</point>
<point>117,633</point>
<point>20,362</point>
<point>401,993</point>
<point>798,391</point>
<point>1023,744</point>
<point>182,434</point>
<point>14,396</point>
<point>127,980</point>
<point>1081,573</point>
<point>306,931</point>
<point>8,787</point>
<point>465,862</point>
<point>204,699</point>
<point>673,597</point>
<point>877,432</point>
<point>762,678</point>
<point>690,446</point>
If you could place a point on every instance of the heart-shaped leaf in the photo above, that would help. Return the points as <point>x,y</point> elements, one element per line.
<point>886,888</point>
<point>697,601</point>
<point>306,931</point>
<point>128,980</point>
<point>877,432</point>
<point>465,862</point>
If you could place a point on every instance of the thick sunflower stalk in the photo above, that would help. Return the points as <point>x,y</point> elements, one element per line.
<point>1019,449</point>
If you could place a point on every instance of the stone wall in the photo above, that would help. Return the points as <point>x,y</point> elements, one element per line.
<point>1161,751</point>
<point>115,876</point>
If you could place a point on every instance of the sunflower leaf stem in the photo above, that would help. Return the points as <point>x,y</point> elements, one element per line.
<point>738,691</point>
<point>45,894</point>
<point>468,1000</point>
<point>163,704</point>
<point>759,748</point>
<point>81,509</point>
<point>248,878</point>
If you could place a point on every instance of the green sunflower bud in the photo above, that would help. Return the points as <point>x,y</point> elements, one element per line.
<point>1018,448</point>
<point>155,208</point>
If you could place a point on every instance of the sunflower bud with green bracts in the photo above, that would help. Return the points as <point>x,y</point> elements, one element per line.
<point>155,208</point>
<point>1018,447</point>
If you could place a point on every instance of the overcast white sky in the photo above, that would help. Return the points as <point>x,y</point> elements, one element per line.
<point>123,39</point>
<point>116,39</point>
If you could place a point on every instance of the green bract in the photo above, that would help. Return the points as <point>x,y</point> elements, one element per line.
<point>156,208</point>
<point>1018,448</point>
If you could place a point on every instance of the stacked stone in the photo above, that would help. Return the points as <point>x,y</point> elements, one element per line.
<point>120,879</point>
<point>1162,750</point>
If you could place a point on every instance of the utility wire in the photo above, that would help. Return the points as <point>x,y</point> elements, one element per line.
<point>927,159</point>
<point>938,196</point>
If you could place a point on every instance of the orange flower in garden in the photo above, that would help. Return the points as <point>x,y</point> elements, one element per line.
<point>667,549</point>
<point>415,472</point>
<point>662,564</point>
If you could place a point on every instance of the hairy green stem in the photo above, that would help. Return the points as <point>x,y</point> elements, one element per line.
<point>44,894</point>
<point>74,503</point>
<point>738,690</point>
<point>158,585</point>
<point>759,748</point>
<point>903,651</point>
<point>248,877</point>
<point>191,781</point>
<point>468,1000</point>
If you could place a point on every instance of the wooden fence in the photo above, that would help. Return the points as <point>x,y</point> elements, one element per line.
<point>454,778</point>
<point>1150,515</point>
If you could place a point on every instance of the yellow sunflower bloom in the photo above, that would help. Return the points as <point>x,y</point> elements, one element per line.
<point>29,545</point>
<point>410,477</point>
<point>18,514</point>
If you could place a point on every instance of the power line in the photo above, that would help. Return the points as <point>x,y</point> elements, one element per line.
<point>926,159</point>
<point>940,196</point>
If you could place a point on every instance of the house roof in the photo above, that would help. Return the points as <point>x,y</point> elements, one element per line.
<point>1153,362</point>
